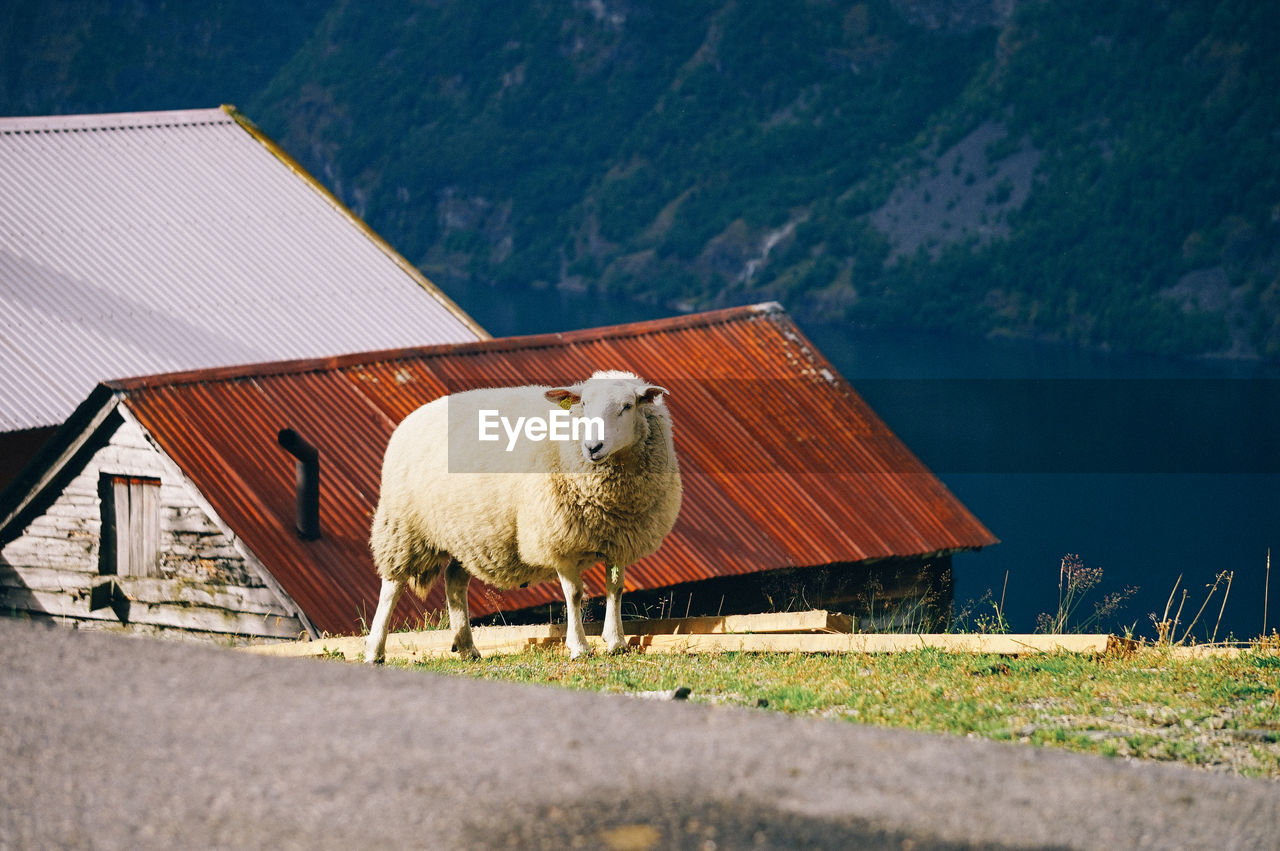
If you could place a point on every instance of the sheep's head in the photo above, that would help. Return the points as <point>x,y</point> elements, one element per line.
<point>617,400</point>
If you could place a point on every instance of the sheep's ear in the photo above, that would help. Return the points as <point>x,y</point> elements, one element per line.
<point>564,398</point>
<point>652,393</point>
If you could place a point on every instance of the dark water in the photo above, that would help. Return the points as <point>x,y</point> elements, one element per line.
<point>1150,469</point>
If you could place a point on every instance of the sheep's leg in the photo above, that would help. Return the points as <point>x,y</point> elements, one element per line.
<point>376,647</point>
<point>576,636</point>
<point>614,640</point>
<point>456,580</point>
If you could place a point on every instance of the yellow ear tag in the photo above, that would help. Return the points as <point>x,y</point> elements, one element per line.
<point>566,402</point>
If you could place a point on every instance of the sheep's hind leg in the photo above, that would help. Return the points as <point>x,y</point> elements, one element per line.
<point>576,636</point>
<point>456,580</point>
<point>614,639</point>
<point>376,646</point>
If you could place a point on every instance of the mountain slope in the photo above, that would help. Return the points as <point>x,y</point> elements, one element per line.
<point>80,56</point>
<point>643,148</point>
<point>1100,173</point>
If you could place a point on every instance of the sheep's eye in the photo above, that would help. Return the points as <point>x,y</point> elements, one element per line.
<point>626,406</point>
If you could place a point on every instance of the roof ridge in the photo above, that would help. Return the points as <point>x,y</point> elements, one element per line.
<point>334,201</point>
<point>113,120</point>
<point>522,342</point>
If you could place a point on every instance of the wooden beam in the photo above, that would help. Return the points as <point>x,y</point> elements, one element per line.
<point>1206,651</point>
<point>505,640</point>
<point>812,621</point>
<point>780,622</point>
<point>169,615</point>
<point>1009,645</point>
<point>249,600</point>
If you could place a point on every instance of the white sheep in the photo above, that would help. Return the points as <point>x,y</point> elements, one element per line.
<point>469,489</point>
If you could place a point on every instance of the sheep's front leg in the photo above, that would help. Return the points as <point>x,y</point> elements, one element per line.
<point>456,580</point>
<point>614,640</point>
<point>376,647</point>
<point>576,636</point>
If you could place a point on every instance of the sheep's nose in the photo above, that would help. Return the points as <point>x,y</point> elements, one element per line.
<point>595,448</point>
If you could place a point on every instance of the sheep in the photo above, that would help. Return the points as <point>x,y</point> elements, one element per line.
<point>513,509</point>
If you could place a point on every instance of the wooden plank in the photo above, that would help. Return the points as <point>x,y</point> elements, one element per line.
<point>173,616</point>
<point>46,578</point>
<point>169,635</point>
<point>238,598</point>
<point>251,600</point>
<point>60,554</point>
<point>144,498</point>
<point>1207,651</point>
<point>403,645</point>
<point>437,644</point>
<point>484,636</point>
<point>875,643</point>
<point>811,621</point>
<point>1007,645</point>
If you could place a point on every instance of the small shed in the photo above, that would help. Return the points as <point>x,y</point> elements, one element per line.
<point>141,243</point>
<point>170,502</point>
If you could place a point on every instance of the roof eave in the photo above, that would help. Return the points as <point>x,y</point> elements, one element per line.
<point>487,345</point>
<point>43,470</point>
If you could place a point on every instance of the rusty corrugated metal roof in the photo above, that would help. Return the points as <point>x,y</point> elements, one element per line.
<point>140,243</point>
<point>783,463</point>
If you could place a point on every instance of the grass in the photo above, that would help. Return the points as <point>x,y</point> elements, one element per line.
<point>1218,713</point>
<point>1214,713</point>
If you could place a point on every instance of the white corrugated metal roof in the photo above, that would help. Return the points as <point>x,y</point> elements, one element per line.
<point>142,243</point>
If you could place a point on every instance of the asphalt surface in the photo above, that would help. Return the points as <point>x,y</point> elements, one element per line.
<point>112,742</point>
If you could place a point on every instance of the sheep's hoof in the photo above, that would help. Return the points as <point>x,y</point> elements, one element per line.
<point>579,652</point>
<point>469,652</point>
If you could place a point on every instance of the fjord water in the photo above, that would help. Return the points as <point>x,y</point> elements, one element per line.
<point>1158,471</point>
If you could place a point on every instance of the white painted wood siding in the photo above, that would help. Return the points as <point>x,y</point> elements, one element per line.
<point>207,588</point>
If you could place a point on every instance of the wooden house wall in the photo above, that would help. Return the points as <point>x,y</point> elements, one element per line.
<point>207,588</point>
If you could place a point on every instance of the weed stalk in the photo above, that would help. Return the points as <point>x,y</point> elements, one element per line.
<point>1266,588</point>
<point>1222,608</point>
<point>1213,589</point>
